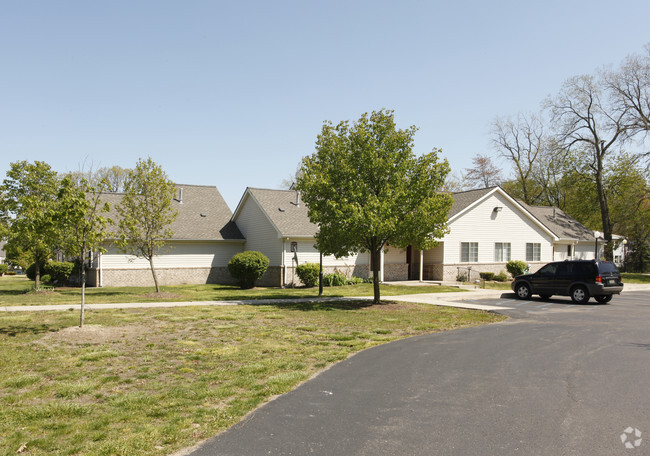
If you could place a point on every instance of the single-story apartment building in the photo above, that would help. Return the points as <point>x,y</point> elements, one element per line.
<point>487,228</point>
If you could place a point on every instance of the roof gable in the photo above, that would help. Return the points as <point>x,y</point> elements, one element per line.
<point>283,209</point>
<point>466,201</point>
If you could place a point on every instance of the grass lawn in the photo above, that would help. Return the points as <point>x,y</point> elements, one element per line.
<point>631,277</point>
<point>18,291</point>
<point>151,381</point>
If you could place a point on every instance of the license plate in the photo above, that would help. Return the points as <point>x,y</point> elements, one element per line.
<point>611,282</point>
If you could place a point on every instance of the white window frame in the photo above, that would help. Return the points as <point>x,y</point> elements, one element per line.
<point>469,252</point>
<point>502,252</point>
<point>533,251</point>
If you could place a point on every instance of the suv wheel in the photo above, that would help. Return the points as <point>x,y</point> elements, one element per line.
<point>604,298</point>
<point>522,290</point>
<point>580,294</point>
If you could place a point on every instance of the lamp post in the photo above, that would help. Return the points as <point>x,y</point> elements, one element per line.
<point>598,238</point>
<point>320,276</point>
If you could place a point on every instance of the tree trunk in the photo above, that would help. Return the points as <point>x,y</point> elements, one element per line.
<point>153,272</point>
<point>374,260</point>
<point>604,213</point>
<point>37,273</point>
<point>83,289</point>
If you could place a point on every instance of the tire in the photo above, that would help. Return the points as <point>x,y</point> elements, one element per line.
<point>523,291</point>
<point>580,294</point>
<point>604,299</point>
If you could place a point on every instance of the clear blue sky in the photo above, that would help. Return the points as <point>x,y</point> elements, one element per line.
<point>234,93</point>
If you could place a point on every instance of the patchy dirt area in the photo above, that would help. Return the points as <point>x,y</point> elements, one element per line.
<point>95,334</point>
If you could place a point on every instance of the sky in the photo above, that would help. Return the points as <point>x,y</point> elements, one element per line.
<point>234,93</point>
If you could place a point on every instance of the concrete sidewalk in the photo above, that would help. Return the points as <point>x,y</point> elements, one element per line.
<point>451,299</point>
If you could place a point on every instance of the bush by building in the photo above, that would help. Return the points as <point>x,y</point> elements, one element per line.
<point>247,267</point>
<point>308,274</point>
<point>516,267</point>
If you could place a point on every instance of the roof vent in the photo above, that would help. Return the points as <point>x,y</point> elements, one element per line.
<point>281,209</point>
<point>203,215</point>
<point>180,195</point>
<point>297,199</point>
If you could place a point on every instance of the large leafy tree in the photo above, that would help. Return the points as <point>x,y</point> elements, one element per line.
<point>28,208</point>
<point>146,212</point>
<point>366,189</point>
<point>82,217</point>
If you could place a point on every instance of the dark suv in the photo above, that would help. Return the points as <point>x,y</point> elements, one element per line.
<point>578,279</point>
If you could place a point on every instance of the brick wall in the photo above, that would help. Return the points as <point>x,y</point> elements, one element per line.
<point>171,276</point>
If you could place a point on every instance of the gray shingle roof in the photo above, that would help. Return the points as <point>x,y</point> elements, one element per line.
<point>556,220</point>
<point>214,224</point>
<point>281,208</point>
<point>462,200</point>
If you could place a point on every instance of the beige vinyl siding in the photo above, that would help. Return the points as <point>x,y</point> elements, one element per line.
<point>585,251</point>
<point>484,226</point>
<point>259,232</point>
<point>393,255</point>
<point>307,253</point>
<point>434,255</point>
<point>177,254</point>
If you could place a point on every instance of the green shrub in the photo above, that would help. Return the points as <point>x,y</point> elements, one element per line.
<point>11,273</point>
<point>46,278</point>
<point>308,274</point>
<point>516,267</point>
<point>247,267</point>
<point>487,275</point>
<point>501,277</point>
<point>3,269</point>
<point>335,279</point>
<point>354,280</point>
<point>30,272</point>
<point>59,271</point>
<point>461,277</point>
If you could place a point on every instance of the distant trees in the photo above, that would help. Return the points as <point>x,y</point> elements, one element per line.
<point>569,160</point>
<point>28,210</point>
<point>483,174</point>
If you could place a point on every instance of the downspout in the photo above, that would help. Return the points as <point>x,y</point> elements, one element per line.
<point>421,265</point>
<point>100,279</point>
<point>284,269</point>
<point>381,265</point>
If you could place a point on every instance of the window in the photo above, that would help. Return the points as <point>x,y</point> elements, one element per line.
<point>502,251</point>
<point>469,252</point>
<point>533,251</point>
<point>569,251</point>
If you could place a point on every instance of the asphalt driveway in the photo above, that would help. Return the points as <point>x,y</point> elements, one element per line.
<point>560,379</point>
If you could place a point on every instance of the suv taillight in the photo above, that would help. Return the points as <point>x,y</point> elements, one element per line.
<point>599,279</point>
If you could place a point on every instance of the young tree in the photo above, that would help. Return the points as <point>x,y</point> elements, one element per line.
<point>146,212</point>
<point>28,207</point>
<point>484,173</point>
<point>365,188</point>
<point>84,224</point>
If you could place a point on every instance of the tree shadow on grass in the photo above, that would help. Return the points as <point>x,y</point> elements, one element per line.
<point>319,305</point>
<point>19,330</point>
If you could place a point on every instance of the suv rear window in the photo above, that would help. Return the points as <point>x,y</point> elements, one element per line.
<point>606,266</point>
